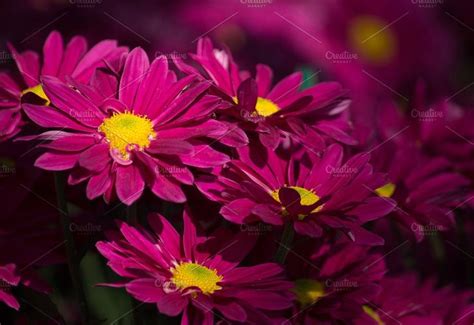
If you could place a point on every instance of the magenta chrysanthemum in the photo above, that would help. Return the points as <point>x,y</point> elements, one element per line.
<point>313,192</point>
<point>74,60</point>
<point>333,280</point>
<point>122,135</point>
<point>194,275</point>
<point>309,117</point>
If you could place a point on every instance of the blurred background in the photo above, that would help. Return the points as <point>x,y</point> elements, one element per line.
<point>376,49</point>
<point>379,50</point>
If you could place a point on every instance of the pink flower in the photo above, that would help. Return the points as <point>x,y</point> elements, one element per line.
<point>194,275</point>
<point>426,185</point>
<point>73,60</point>
<point>403,300</point>
<point>122,135</point>
<point>314,193</point>
<point>8,279</point>
<point>333,280</point>
<point>309,117</point>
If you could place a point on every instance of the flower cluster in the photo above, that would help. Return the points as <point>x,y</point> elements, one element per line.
<point>263,204</point>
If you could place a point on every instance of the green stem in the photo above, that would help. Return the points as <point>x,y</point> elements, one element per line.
<point>133,220</point>
<point>285,243</point>
<point>437,248</point>
<point>73,259</point>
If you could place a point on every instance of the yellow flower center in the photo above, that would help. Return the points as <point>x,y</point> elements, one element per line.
<point>308,291</point>
<point>124,131</point>
<point>307,198</point>
<point>189,275</point>
<point>264,107</point>
<point>373,314</point>
<point>372,38</point>
<point>38,91</point>
<point>386,191</point>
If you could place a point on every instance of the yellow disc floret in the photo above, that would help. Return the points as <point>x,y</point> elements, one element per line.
<point>38,91</point>
<point>373,314</point>
<point>124,131</point>
<point>307,198</point>
<point>372,39</point>
<point>308,291</point>
<point>194,275</point>
<point>386,191</point>
<point>264,107</point>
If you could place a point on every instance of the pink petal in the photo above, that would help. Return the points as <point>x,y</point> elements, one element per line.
<point>204,156</point>
<point>56,161</point>
<point>48,117</point>
<point>98,184</point>
<point>96,158</point>
<point>232,311</point>
<point>151,85</point>
<point>52,54</point>
<point>170,147</point>
<point>166,234</point>
<point>77,142</point>
<point>96,57</point>
<point>28,65</point>
<point>264,78</point>
<point>129,184</point>
<point>135,70</point>
<point>146,290</point>
<point>72,103</point>
<point>238,210</point>
<point>75,49</point>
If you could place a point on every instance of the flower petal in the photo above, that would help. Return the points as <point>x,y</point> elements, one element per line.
<point>129,184</point>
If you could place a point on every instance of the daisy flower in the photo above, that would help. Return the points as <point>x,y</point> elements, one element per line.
<point>427,189</point>
<point>9,278</point>
<point>122,135</point>
<point>309,116</point>
<point>196,276</point>
<point>404,300</point>
<point>310,191</point>
<point>73,60</point>
<point>333,280</point>
<point>426,186</point>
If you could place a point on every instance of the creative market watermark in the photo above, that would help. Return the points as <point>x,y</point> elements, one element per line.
<point>256,229</point>
<point>341,285</point>
<point>85,3</point>
<point>256,3</point>
<point>342,171</point>
<point>345,57</point>
<point>429,115</point>
<point>427,230</point>
<point>427,3</point>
